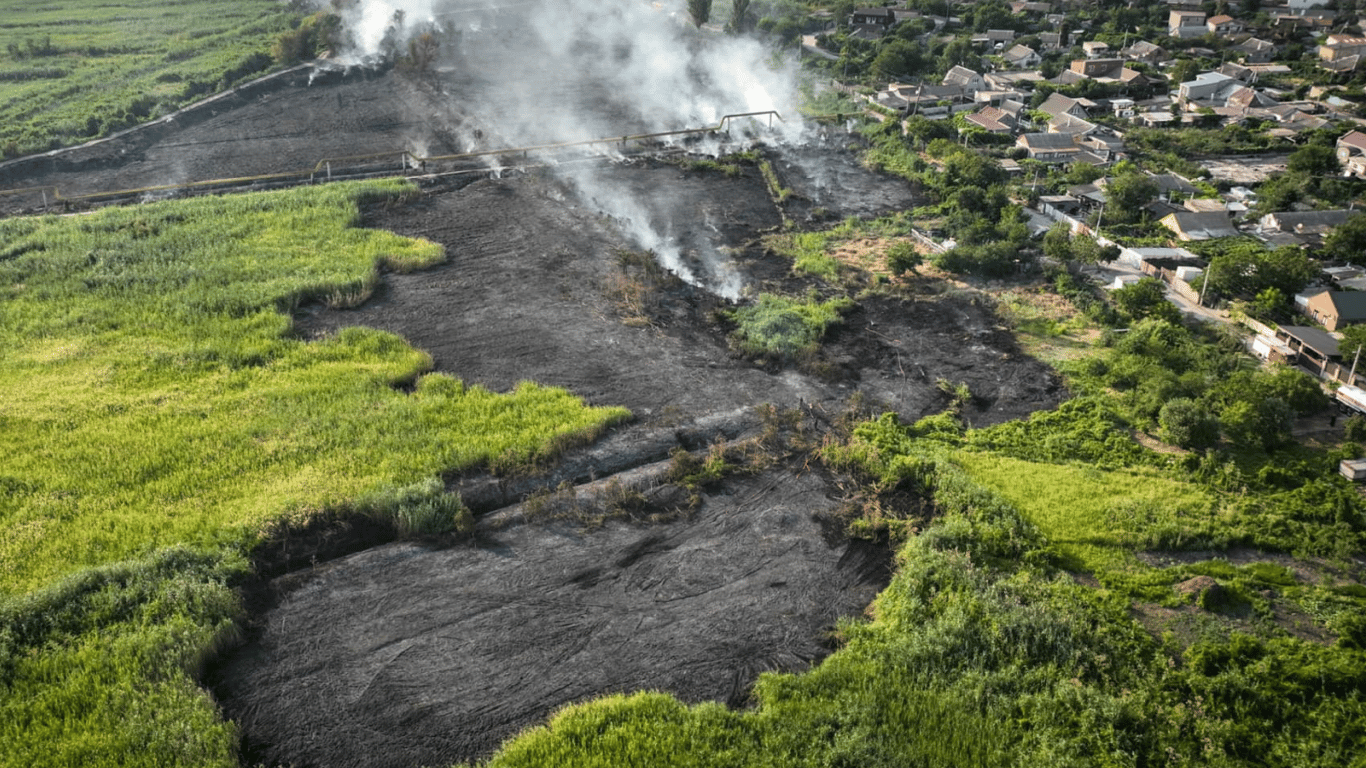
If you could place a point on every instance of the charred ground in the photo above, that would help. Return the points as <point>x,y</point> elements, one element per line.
<point>618,574</point>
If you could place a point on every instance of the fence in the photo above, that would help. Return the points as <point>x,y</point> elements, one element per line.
<point>385,163</point>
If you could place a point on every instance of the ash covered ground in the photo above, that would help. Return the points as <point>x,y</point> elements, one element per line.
<point>407,654</point>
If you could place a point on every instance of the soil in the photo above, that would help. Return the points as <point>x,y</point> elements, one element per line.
<point>407,654</point>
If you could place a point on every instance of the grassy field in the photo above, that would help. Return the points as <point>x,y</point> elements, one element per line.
<point>71,70</point>
<point>158,417</point>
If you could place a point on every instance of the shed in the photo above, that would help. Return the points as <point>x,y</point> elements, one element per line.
<point>1269,348</point>
<point>1353,469</point>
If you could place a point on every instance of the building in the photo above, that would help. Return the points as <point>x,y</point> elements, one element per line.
<point>1186,24</point>
<point>1337,309</point>
<point>1022,57</point>
<point>1341,53</point>
<point>1255,51</point>
<point>1304,222</point>
<point>1223,25</point>
<point>1204,87</point>
<point>1206,225</point>
<point>961,77</point>
<point>1049,147</point>
<point>1352,154</point>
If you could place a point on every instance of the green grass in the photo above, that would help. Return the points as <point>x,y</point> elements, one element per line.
<point>153,394</point>
<point>1094,519</point>
<point>72,70</point>
<point>159,419</point>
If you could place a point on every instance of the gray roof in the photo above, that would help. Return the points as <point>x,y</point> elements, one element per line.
<point>1048,141</point>
<point>1313,337</point>
<point>1351,305</point>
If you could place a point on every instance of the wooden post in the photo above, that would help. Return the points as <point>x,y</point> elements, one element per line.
<point>329,170</point>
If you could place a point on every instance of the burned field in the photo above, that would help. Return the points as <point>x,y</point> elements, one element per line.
<point>611,569</point>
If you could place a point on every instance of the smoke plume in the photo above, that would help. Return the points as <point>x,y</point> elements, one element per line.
<point>548,71</point>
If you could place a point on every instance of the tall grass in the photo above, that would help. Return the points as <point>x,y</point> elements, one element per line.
<point>159,418</point>
<point>72,70</point>
<point>152,393</point>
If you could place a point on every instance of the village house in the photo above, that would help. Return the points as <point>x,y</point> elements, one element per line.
<point>992,119</point>
<point>1223,24</point>
<point>1206,87</point>
<point>1020,6</point>
<point>994,38</point>
<point>1095,49</point>
<point>1206,225</point>
<point>1303,222</point>
<point>1341,53</point>
<point>1049,147</point>
<point>1051,41</point>
<point>1255,51</point>
<point>1351,151</point>
<point>1336,309</point>
<point>1057,104</point>
<point>969,81</point>
<point>1186,24</point>
<point>1021,57</point>
<point>1098,69</point>
<point>1146,52</point>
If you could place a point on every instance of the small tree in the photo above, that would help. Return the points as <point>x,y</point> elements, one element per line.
<point>1186,423</point>
<point>738,10</point>
<point>902,258</point>
<point>700,11</point>
<point>1146,298</point>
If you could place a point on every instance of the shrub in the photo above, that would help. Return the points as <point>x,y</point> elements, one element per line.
<point>1188,424</point>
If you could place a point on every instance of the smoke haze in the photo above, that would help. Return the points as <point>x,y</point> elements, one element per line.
<point>550,71</point>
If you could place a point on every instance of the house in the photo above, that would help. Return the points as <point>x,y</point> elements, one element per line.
<point>1312,347</point>
<point>961,77</point>
<point>1019,6</point>
<point>1223,25</point>
<point>1146,52</point>
<point>1341,53</point>
<point>1303,222</point>
<point>994,38</point>
<point>989,119</point>
<point>1098,69</point>
<point>883,17</point>
<point>1204,87</point>
<point>1352,154</point>
<point>1022,57</point>
<point>871,23</point>
<point>1199,226</point>
<point>1051,41</point>
<point>1238,72</point>
<point>1071,125</point>
<point>1123,108</point>
<point>1186,24</point>
<point>1057,104</point>
<point>1255,51</point>
<point>1049,147</point>
<point>1337,309</point>
<point>1095,49</point>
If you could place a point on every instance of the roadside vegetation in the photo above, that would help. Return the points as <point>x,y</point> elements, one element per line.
<point>72,71</point>
<point>161,422</point>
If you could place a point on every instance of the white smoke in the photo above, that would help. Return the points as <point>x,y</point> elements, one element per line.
<point>536,72</point>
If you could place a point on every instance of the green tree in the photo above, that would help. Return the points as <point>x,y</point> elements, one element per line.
<point>1146,298</point>
<point>1186,423</point>
<point>898,59</point>
<point>1264,425</point>
<point>700,11</point>
<point>1313,160</point>
<point>903,257</point>
<point>1348,241</point>
<point>738,10</point>
<point>1057,243</point>
<point>1126,194</point>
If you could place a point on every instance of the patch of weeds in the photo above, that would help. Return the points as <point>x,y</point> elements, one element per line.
<point>781,328</point>
<point>418,510</point>
<point>776,189</point>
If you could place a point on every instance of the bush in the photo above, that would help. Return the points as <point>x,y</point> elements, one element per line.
<point>1188,424</point>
